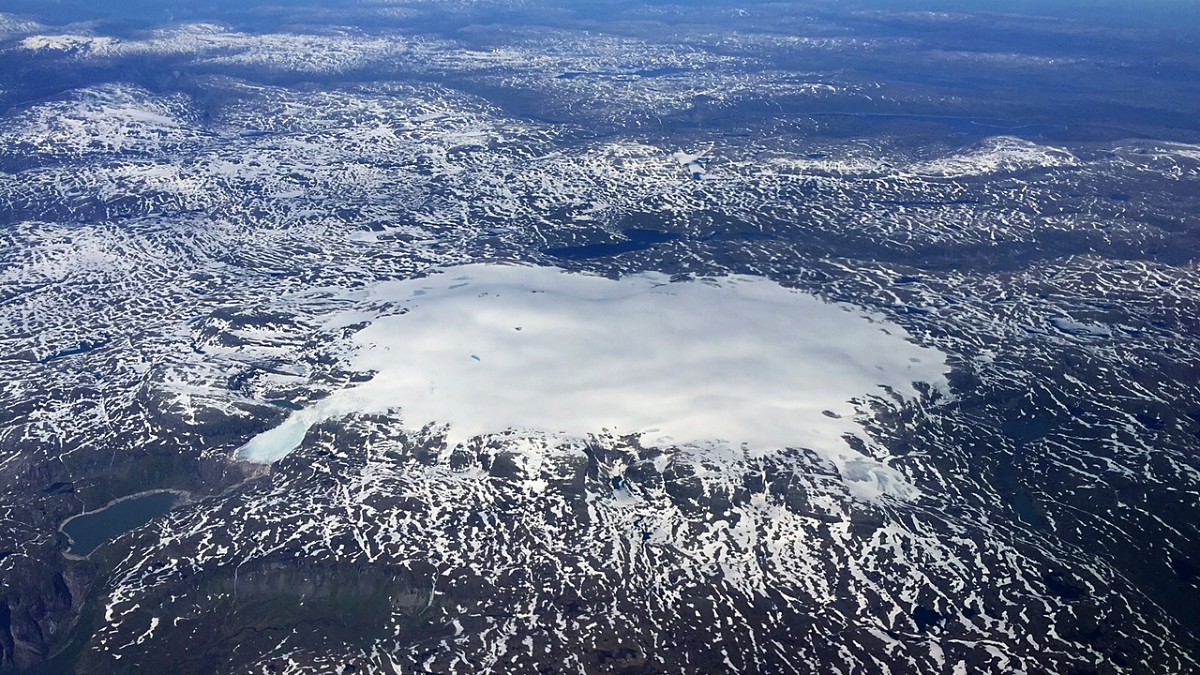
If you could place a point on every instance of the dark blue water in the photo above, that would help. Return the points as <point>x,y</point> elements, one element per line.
<point>926,618</point>
<point>635,240</point>
<point>89,531</point>
<point>81,348</point>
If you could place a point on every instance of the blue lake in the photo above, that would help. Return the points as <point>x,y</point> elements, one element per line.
<point>89,531</point>
<point>635,240</point>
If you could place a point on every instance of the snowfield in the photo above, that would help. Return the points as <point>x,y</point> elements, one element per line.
<point>738,360</point>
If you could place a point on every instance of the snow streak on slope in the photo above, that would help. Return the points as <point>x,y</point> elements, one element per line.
<point>485,348</point>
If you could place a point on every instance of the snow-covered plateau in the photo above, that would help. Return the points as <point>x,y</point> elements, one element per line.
<point>734,360</point>
<point>538,336</point>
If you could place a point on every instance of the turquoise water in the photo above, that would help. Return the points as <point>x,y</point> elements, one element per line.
<point>88,532</point>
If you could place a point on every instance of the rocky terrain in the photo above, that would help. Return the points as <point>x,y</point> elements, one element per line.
<point>186,206</point>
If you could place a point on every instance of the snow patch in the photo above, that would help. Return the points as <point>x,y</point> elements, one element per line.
<point>696,164</point>
<point>79,44</point>
<point>1001,154</point>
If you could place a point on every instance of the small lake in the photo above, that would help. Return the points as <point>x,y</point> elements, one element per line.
<point>81,348</point>
<point>90,530</point>
<point>635,240</point>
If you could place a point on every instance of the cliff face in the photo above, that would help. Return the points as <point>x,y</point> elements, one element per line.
<point>49,600</point>
<point>38,614</point>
